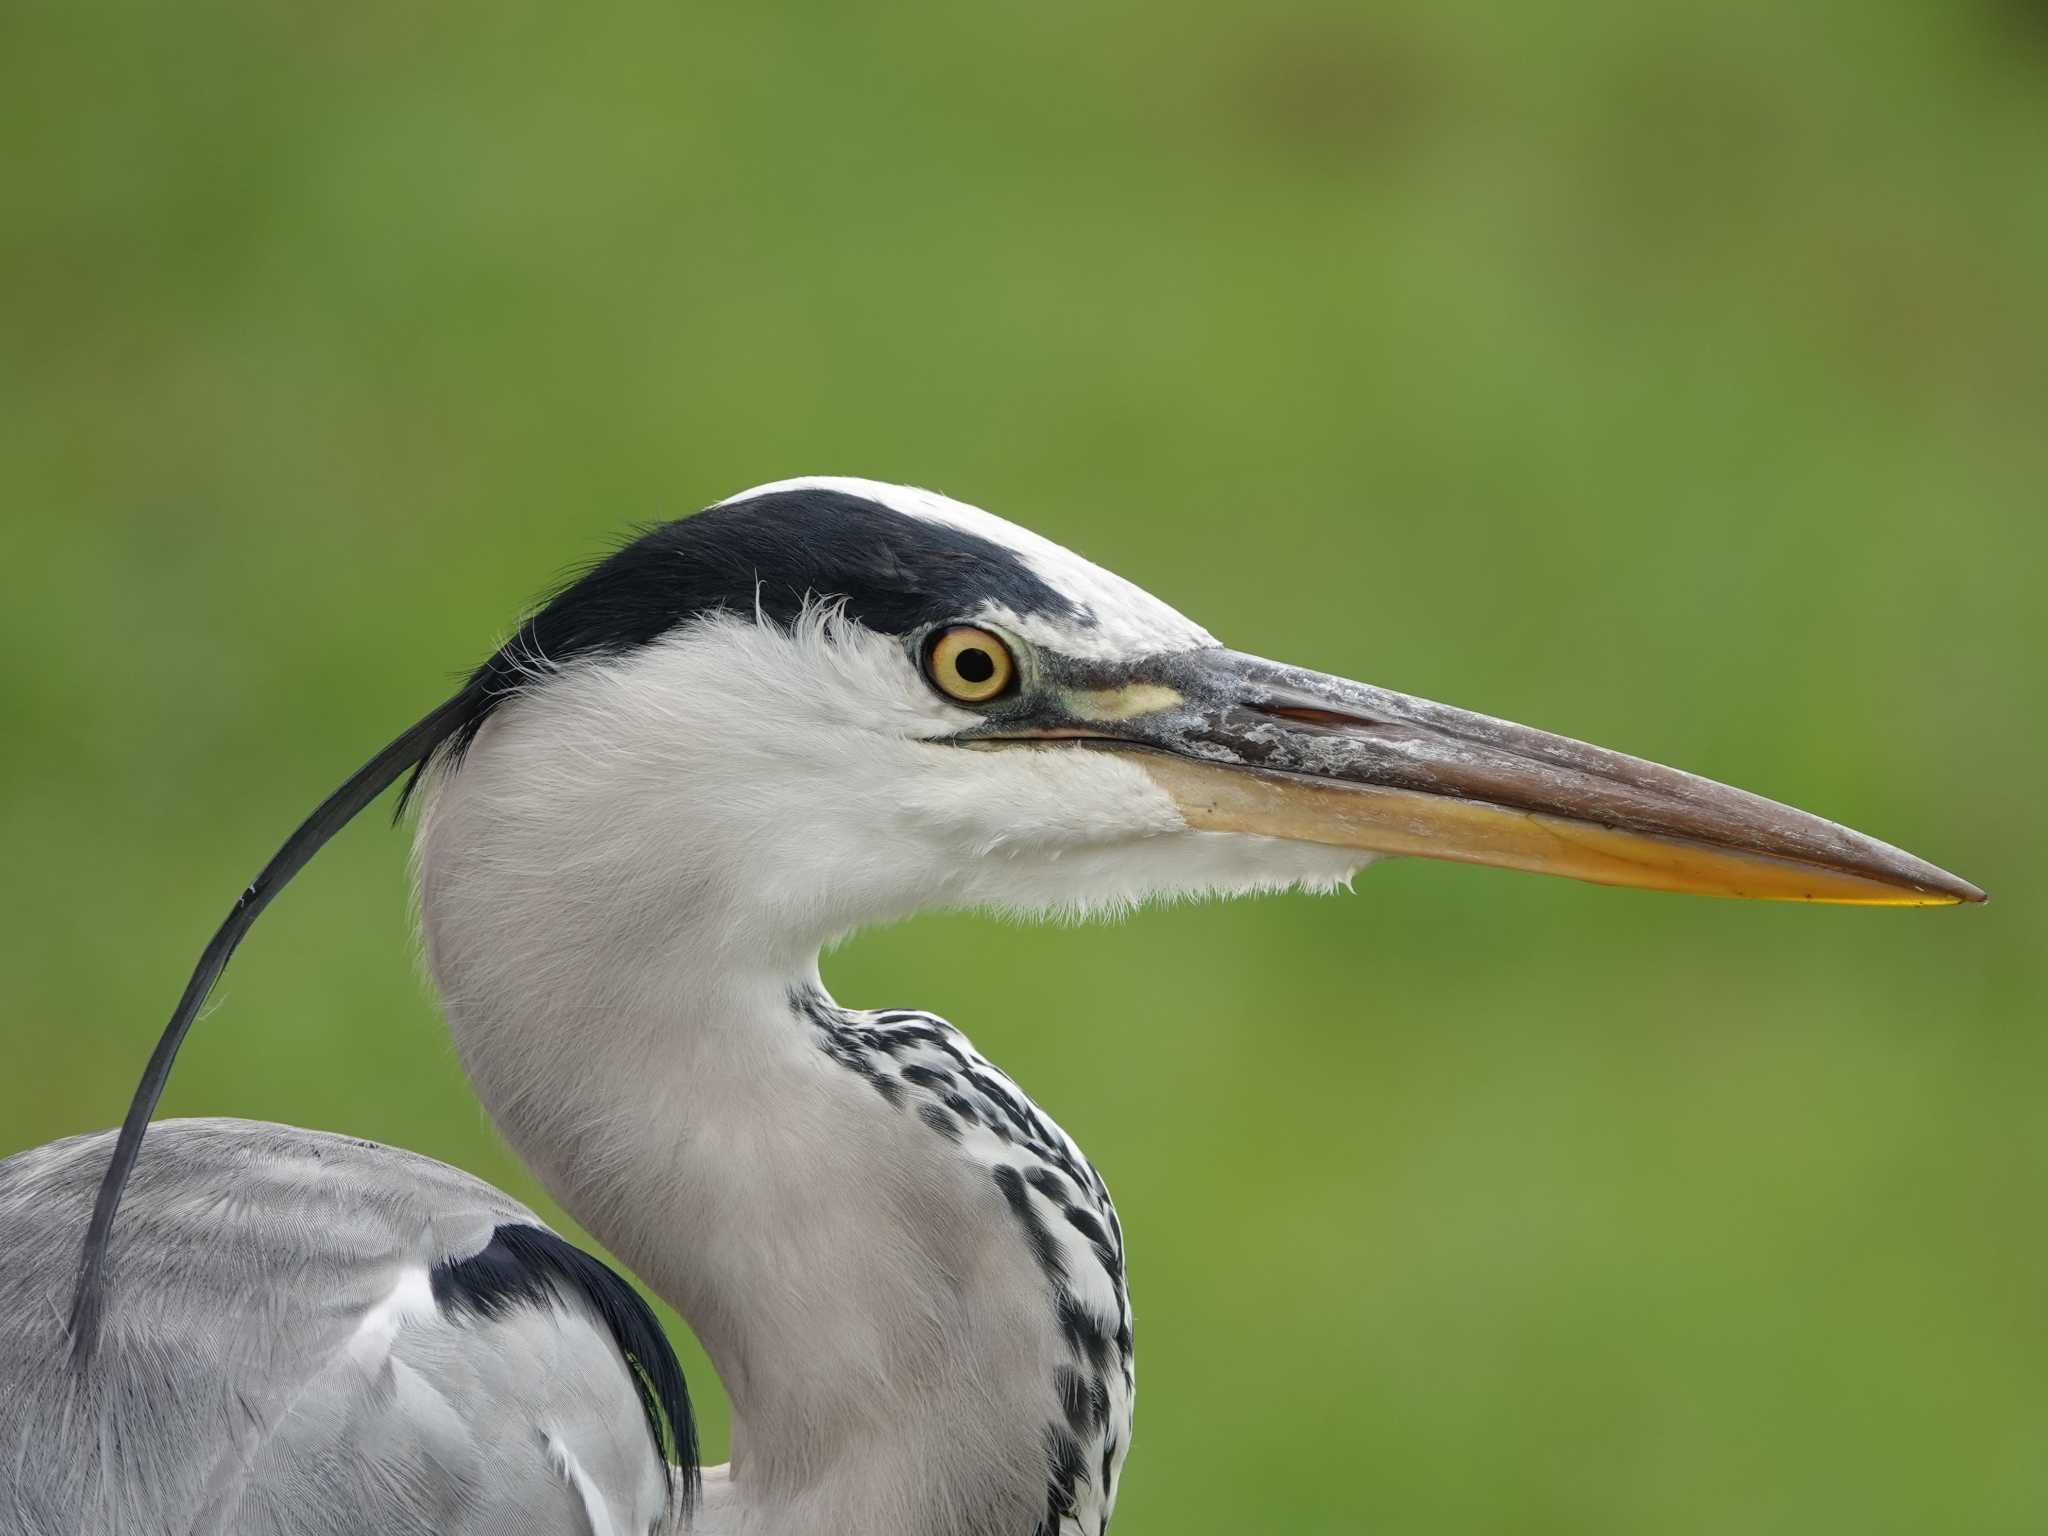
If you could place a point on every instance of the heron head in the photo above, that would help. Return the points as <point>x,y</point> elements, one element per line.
<point>827,702</point>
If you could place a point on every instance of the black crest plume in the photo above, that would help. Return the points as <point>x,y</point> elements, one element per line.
<point>88,1298</point>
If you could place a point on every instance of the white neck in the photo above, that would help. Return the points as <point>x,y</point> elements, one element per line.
<point>627,1020</point>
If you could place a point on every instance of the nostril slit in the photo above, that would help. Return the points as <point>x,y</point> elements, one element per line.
<point>1329,719</point>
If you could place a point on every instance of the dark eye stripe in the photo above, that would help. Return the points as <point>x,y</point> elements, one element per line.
<point>770,554</point>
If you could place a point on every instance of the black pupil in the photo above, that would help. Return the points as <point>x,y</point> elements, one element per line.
<point>976,666</point>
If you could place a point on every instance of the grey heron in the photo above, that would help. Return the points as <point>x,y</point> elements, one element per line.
<point>821,704</point>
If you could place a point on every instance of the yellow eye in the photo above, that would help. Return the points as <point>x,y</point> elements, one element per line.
<point>969,664</point>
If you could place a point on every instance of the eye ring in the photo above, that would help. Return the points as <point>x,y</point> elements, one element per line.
<point>969,665</point>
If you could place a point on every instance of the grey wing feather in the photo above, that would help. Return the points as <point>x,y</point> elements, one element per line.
<point>274,1362</point>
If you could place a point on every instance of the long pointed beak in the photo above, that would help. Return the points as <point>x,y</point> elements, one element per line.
<point>1245,745</point>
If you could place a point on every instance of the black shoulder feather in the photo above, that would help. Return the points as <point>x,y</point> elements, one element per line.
<point>528,1266</point>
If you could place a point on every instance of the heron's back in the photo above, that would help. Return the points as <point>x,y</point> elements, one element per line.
<point>305,1333</point>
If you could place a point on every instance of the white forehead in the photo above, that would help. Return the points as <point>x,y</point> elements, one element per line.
<point>1128,620</point>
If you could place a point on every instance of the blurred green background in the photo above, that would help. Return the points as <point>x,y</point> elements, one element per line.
<point>1674,377</point>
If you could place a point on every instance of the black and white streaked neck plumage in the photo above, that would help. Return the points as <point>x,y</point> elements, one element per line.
<point>822,704</point>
